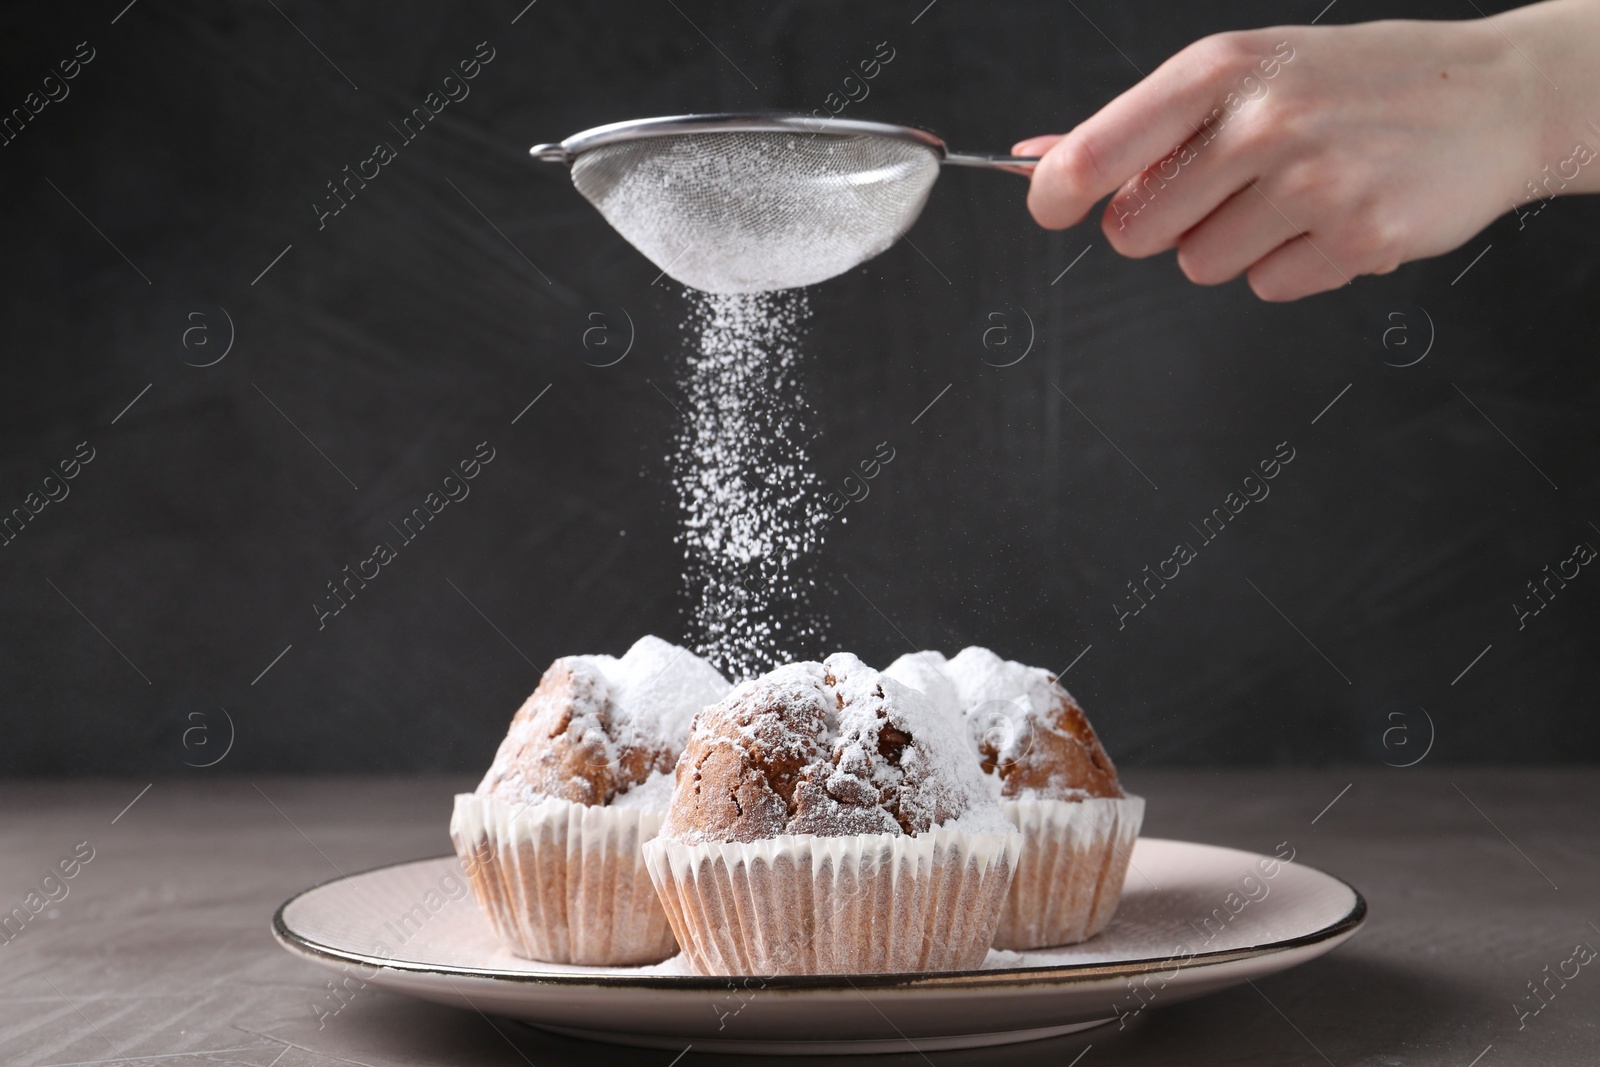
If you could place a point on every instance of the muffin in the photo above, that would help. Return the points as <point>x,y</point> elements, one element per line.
<point>550,839</point>
<point>1044,764</point>
<point>828,820</point>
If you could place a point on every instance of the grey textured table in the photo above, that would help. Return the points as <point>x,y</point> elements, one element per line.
<point>159,952</point>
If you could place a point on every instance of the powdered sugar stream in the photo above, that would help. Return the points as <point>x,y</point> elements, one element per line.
<point>752,519</point>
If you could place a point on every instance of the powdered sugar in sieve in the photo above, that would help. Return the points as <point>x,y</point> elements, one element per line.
<point>756,203</point>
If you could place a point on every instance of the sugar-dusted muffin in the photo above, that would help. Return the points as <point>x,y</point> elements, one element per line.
<point>1054,781</point>
<point>828,820</point>
<point>550,841</point>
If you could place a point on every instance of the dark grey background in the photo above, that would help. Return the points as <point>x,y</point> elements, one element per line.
<point>190,550</point>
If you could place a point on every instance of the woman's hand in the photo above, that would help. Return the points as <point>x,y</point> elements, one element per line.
<point>1306,156</point>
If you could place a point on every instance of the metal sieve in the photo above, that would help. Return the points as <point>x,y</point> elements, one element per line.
<point>747,203</point>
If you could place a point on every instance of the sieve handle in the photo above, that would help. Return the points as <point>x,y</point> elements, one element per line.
<point>961,159</point>
<point>550,153</point>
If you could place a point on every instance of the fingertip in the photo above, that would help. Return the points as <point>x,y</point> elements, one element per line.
<point>1272,287</point>
<point>1050,200</point>
<point>1202,271</point>
<point>1035,146</point>
<point>1050,211</point>
<point>1295,271</point>
<point>1114,227</point>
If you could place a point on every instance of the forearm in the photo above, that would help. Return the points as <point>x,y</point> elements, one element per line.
<point>1558,42</point>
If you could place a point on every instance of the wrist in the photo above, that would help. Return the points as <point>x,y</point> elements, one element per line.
<point>1551,48</point>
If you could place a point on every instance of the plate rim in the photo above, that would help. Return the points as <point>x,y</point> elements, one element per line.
<point>983,978</point>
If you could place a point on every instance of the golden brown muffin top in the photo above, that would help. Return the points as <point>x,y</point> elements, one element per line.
<point>597,727</point>
<point>1032,737</point>
<point>827,749</point>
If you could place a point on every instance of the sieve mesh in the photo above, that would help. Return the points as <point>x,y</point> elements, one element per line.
<point>756,211</point>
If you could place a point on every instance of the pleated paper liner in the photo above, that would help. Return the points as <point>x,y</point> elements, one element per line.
<point>1073,862</point>
<point>835,905</point>
<point>564,882</point>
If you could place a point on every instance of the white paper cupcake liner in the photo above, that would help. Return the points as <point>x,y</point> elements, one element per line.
<point>564,882</point>
<point>1070,871</point>
<point>835,905</point>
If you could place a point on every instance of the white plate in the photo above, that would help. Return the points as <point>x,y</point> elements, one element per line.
<point>1194,919</point>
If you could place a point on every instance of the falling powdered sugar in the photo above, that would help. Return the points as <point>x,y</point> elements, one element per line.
<point>752,518</point>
